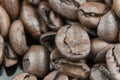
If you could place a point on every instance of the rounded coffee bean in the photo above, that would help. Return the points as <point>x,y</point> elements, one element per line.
<point>48,40</point>
<point>17,37</point>
<point>90,13</point>
<point>12,7</point>
<point>4,22</point>
<point>36,61</point>
<point>73,42</point>
<point>30,20</point>
<point>66,8</point>
<point>24,76</point>
<point>2,45</point>
<point>113,62</point>
<point>55,75</point>
<point>108,27</point>
<point>116,7</point>
<point>100,72</point>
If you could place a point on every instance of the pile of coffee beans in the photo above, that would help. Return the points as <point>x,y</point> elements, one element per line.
<point>59,39</point>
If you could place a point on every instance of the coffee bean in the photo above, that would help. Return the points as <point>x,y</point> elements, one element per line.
<point>113,62</point>
<point>91,12</point>
<point>66,8</point>
<point>17,37</point>
<point>73,42</point>
<point>108,27</point>
<point>36,61</point>
<point>30,20</point>
<point>12,7</point>
<point>48,40</point>
<point>116,7</point>
<point>24,76</point>
<point>100,72</point>
<point>4,21</point>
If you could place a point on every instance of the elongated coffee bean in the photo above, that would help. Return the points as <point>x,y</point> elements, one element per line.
<point>17,37</point>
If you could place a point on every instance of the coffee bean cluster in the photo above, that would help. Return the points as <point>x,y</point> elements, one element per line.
<point>59,39</point>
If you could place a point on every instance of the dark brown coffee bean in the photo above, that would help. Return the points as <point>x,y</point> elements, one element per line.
<point>17,37</point>
<point>36,61</point>
<point>116,7</point>
<point>108,27</point>
<point>55,75</point>
<point>48,40</point>
<point>73,69</point>
<point>24,76</point>
<point>30,20</point>
<point>90,13</point>
<point>12,7</point>
<point>73,42</point>
<point>66,8</point>
<point>113,61</point>
<point>2,45</point>
<point>52,20</point>
<point>4,22</point>
<point>10,57</point>
<point>100,72</point>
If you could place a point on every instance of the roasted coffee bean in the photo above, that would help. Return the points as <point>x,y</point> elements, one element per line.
<point>12,7</point>
<point>53,21</point>
<point>36,61</point>
<point>100,72</point>
<point>98,45</point>
<point>116,7</point>
<point>72,69</point>
<point>4,22</point>
<point>56,75</point>
<point>30,20</point>
<point>66,8</point>
<point>24,76</point>
<point>99,49</point>
<point>108,27</point>
<point>90,13</point>
<point>73,42</point>
<point>113,62</point>
<point>2,45</point>
<point>48,40</point>
<point>17,37</point>
<point>10,57</point>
